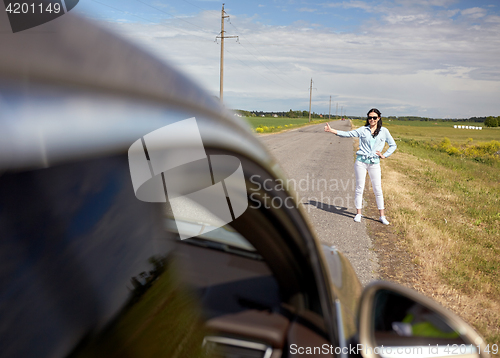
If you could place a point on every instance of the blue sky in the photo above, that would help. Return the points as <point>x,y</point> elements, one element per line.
<point>436,58</point>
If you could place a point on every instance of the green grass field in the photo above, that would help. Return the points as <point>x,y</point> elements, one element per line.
<point>271,121</point>
<point>271,124</point>
<point>428,131</point>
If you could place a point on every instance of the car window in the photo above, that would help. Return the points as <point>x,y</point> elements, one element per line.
<point>224,237</point>
<point>81,255</point>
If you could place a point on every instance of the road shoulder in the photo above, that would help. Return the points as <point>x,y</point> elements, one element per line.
<point>395,262</point>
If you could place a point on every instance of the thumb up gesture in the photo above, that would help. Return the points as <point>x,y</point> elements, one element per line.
<point>330,129</point>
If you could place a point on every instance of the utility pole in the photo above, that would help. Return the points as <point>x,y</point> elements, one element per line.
<point>341,108</point>
<point>310,98</point>
<point>336,110</point>
<point>330,108</point>
<point>222,37</point>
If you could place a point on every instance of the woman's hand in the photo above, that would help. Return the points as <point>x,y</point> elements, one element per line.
<point>330,129</point>
<point>380,154</point>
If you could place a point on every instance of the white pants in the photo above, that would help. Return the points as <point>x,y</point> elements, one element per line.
<point>375,173</point>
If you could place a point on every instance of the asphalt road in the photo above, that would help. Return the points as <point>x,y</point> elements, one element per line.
<point>321,168</point>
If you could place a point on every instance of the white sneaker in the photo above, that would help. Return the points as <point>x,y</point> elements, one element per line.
<point>357,218</point>
<point>383,220</point>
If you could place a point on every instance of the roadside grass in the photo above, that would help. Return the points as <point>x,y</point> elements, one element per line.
<point>449,221</point>
<point>445,207</point>
<point>271,124</point>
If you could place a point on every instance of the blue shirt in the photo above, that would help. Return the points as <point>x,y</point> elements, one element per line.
<point>366,152</point>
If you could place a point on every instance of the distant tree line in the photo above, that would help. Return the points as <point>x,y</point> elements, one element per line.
<point>489,121</point>
<point>289,114</point>
<point>492,121</point>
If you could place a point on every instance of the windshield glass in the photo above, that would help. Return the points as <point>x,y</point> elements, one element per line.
<point>223,235</point>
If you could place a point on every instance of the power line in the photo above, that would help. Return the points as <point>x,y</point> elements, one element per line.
<point>191,34</point>
<point>222,36</point>
<point>310,99</point>
<point>245,64</point>
<point>187,22</point>
<point>265,58</point>
<point>149,20</point>
<point>330,108</point>
<point>195,5</point>
<point>263,64</point>
<point>201,8</point>
<point>257,72</point>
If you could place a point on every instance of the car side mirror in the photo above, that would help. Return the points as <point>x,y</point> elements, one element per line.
<point>395,321</point>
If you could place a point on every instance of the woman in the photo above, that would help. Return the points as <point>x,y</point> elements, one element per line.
<point>372,138</point>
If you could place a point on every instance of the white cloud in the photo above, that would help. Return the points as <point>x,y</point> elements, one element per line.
<point>423,62</point>
<point>451,13</point>
<point>353,4</point>
<point>122,20</point>
<point>493,18</point>
<point>475,12</point>
<point>305,9</point>
<point>395,18</point>
<point>427,3</point>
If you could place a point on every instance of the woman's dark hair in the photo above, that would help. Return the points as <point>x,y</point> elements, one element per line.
<point>379,123</point>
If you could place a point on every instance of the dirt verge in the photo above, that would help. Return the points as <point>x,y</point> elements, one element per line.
<point>396,264</point>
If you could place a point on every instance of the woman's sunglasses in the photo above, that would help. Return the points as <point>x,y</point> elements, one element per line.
<point>372,118</point>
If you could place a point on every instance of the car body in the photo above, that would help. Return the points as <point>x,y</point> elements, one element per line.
<point>88,269</point>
